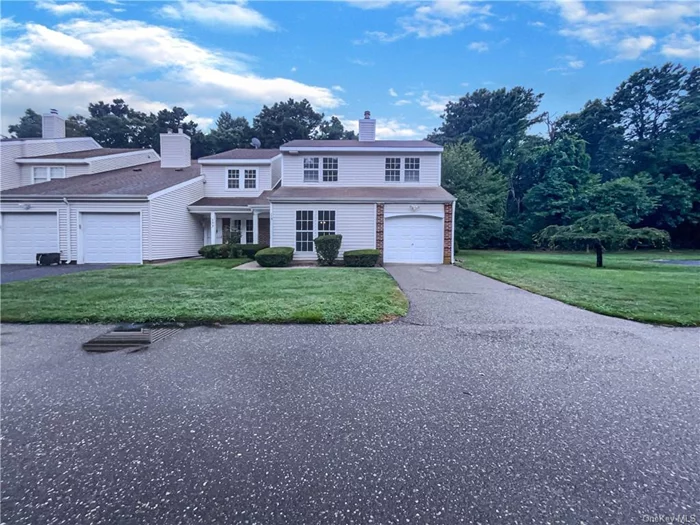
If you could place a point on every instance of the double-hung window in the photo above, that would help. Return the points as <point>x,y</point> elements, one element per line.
<point>411,169</point>
<point>330,169</point>
<point>47,173</point>
<point>326,222</point>
<point>249,231</point>
<point>305,231</point>
<point>310,169</point>
<point>234,179</point>
<point>392,169</point>
<point>250,179</point>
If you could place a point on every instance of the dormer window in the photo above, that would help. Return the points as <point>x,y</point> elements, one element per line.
<point>47,173</point>
<point>234,179</point>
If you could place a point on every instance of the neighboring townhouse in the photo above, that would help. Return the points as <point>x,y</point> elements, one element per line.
<point>376,194</point>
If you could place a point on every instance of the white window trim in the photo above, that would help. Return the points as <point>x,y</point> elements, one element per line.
<point>320,167</point>
<point>48,173</point>
<point>314,228</point>
<point>256,178</point>
<point>319,175</point>
<point>402,171</point>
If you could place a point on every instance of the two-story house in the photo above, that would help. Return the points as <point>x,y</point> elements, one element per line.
<point>377,194</point>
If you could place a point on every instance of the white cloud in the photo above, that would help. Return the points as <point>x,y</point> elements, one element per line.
<point>435,103</point>
<point>633,47</point>
<point>624,27</point>
<point>40,37</point>
<point>536,23</point>
<point>231,14</point>
<point>294,69</point>
<point>393,93</point>
<point>484,26</point>
<point>390,128</point>
<point>139,62</point>
<point>359,62</point>
<point>402,102</point>
<point>339,89</point>
<point>428,20</point>
<point>65,8</point>
<point>8,24</point>
<point>576,64</point>
<point>681,47</point>
<point>479,47</point>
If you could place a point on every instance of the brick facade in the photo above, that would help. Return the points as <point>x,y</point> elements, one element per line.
<point>380,231</point>
<point>447,250</point>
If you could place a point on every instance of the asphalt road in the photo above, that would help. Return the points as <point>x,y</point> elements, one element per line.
<point>486,404</point>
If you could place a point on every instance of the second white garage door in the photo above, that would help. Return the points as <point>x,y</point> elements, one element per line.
<point>111,237</point>
<point>413,239</point>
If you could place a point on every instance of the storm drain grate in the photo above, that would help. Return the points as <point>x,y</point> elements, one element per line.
<point>130,337</point>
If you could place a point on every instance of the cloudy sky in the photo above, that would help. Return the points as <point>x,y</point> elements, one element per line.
<point>401,59</point>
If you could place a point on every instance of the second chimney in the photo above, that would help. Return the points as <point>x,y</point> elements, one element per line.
<point>53,126</point>
<point>368,127</point>
<point>175,149</point>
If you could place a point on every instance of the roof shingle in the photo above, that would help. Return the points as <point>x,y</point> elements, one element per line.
<point>85,154</point>
<point>244,154</point>
<point>141,180</point>
<point>435,194</point>
<point>378,144</point>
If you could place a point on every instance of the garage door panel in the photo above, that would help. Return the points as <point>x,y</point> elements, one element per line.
<point>413,239</point>
<point>26,234</point>
<point>111,237</point>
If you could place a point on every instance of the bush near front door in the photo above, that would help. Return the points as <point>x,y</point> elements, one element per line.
<point>327,248</point>
<point>275,257</point>
<point>361,258</point>
<point>230,251</point>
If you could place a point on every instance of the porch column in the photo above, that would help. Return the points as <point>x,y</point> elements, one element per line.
<point>212,227</point>
<point>255,226</point>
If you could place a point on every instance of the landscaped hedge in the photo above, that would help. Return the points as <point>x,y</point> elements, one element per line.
<point>226,251</point>
<point>327,248</point>
<point>275,257</point>
<point>365,258</point>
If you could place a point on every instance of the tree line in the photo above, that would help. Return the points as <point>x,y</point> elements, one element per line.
<point>116,125</point>
<point>631,160</point>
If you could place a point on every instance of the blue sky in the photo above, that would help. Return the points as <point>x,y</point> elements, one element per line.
<point>401,59</point>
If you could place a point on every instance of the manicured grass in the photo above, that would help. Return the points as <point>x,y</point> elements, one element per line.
<point>630,285</point>
<point>206,291</point>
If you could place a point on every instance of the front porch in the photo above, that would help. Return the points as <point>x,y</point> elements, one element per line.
<point>253,225</point>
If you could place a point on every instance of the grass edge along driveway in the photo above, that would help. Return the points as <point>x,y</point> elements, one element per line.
<point>630,286</point>
<point>206,291</point>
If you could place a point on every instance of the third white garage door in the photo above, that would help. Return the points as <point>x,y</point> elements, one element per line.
<point>111,237</point>
<point>413,239</point>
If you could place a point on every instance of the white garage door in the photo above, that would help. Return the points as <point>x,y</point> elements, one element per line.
<point>413,239</point>
<point>26,234</point>
<point>111,237</point>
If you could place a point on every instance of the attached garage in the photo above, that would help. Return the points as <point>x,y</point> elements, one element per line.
<point>414,239</point>
<point>26,234</point>
<point>110,238</point>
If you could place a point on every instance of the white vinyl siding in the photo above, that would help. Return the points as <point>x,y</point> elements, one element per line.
<point>363,169</point>
<point>12,173</point>
<point>27,172</point>
<point>174,231</point>
<point>355,222</point>
<point>217,182</point>
<point>115,162</point>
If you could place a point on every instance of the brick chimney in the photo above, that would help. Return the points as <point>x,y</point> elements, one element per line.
<point>53,126</point>
<point>175,149</point>
<point>368,128</point>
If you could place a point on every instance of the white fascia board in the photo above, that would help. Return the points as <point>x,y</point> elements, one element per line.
<point>43,141</point>
<point>175,187</point>
<point>358,200</point>
<point>362,150</point>
<point>237,162</point>
<point>88,160</point>
<point>219,209</point>
<point>73,198</point>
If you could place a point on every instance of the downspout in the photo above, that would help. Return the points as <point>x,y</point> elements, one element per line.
<point>68,260</point>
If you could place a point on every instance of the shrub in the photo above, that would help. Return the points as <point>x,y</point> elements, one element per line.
<point>230,250</point>
<point>364,258</point>
<point>249,250</point>
<point>327,248</point>
<point>212,251</point>
<point>275,257</point>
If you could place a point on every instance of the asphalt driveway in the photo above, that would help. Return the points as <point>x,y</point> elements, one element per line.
<point>27,272</point>
<point>485,404</point>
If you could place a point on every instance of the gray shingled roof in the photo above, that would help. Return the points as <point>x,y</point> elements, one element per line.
<point>379,144</point>
<point>234,201</point>
<point>244,154</point>
<point>361,194</point>
<point>140,180</point>
<point>85,154</point>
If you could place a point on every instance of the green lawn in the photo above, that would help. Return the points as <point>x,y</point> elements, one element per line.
<point>206,291</point>
<point>630,285</point>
